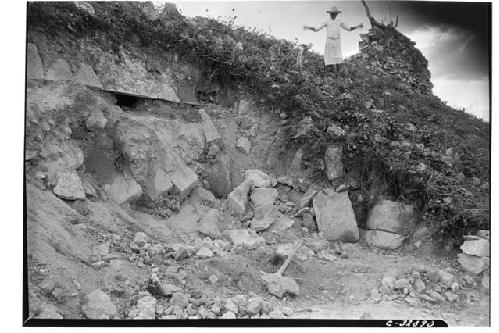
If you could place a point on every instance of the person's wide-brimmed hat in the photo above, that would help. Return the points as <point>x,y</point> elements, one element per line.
<point>334,9</point>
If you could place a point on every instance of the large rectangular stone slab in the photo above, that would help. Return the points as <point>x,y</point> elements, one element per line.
<point>390,216</point>
<point>335,217</point>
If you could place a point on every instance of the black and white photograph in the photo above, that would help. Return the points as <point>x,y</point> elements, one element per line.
<point>257,164</point>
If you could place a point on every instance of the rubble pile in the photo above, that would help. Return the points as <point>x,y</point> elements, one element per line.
<point>388,52</point>
<point>423,285</point>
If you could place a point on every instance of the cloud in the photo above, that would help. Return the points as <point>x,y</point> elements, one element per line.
<point>473,95</point>
<point>451,50</point>
<point>435,36</point>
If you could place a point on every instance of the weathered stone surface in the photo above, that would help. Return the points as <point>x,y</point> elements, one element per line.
<point>131,77</point>
<point>148,146</point>
<point>401,284</point>
<point>243,107</point>
<point>305,128</point>
<point>485,280</point>
<point>123,188</point>
<point>308,221</point>
<point>335,217</point>
<point>228,315</point>
<point>48,314</point>
<point>245,122</point>
<point>219,177</point>
<point>209,130</point>
<point>179,299</point>
<point>168,289</point>
<point>49,311</point>
<point>333,162</point>
<point>143,150</point>
<point>149,9</point>
<point>99,306</point>
<point>203,196</point>
<point>390,216</point>
<point>60,157</point>
<point>264,196</point>
<point>282,223</point>
<point>317,244</point>
<point>238,198</point>
<point>307,197</point>
<point>59,71</point>
<point>419,285</point>
<point>444,277</point>
<point>69,186</point>
<point>286,180</point>
<point>383,239</point>
<point>169,10</point>
<point>264,217</point>
<point>245,238</point>
<point>87,76</point>
<point>34,69</point>
<point>209,224</point>
<point>436,295</point>
<point>284,250</point>
<point>231,307</point>
<point>297,160</point>
<point>140,239</point>
<point>484,234</point>
<point>184,180</point>
<point>275,314</point>
<point>473,264</point>
<point>96,120</point>
<point>243,145</point>
<point>259,178</point>
<point>160,182</point>
<point>479,247</point>
<point>204,253</point>
<point>145,308</point>
<point>389,282</point>
<point>85,6</point>
<point>279,286</point>
<point>254,305</point>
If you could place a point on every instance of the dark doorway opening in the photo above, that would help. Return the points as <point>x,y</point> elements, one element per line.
<point>123,100</point>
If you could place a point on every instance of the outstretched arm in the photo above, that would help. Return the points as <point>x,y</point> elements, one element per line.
<point>315,29</point>
<point>345,27</point>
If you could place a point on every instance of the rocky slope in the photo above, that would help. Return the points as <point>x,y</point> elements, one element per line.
<point>171,162</point>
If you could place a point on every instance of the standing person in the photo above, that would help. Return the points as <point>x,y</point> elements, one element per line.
<point>333,49</point>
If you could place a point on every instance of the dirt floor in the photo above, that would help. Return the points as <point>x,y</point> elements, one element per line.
<point>62,270</point>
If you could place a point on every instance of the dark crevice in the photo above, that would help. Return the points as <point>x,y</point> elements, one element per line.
<point>128,101</point>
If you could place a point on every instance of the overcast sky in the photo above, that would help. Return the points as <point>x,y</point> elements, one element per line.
<point>453,36</point>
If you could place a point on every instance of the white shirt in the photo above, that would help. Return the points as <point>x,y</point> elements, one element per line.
<point>333,28</point>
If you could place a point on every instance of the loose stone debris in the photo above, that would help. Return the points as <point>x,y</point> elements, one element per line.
<point>157,193</point>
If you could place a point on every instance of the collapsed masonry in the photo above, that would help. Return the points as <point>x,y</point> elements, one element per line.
<point>119,134</point>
